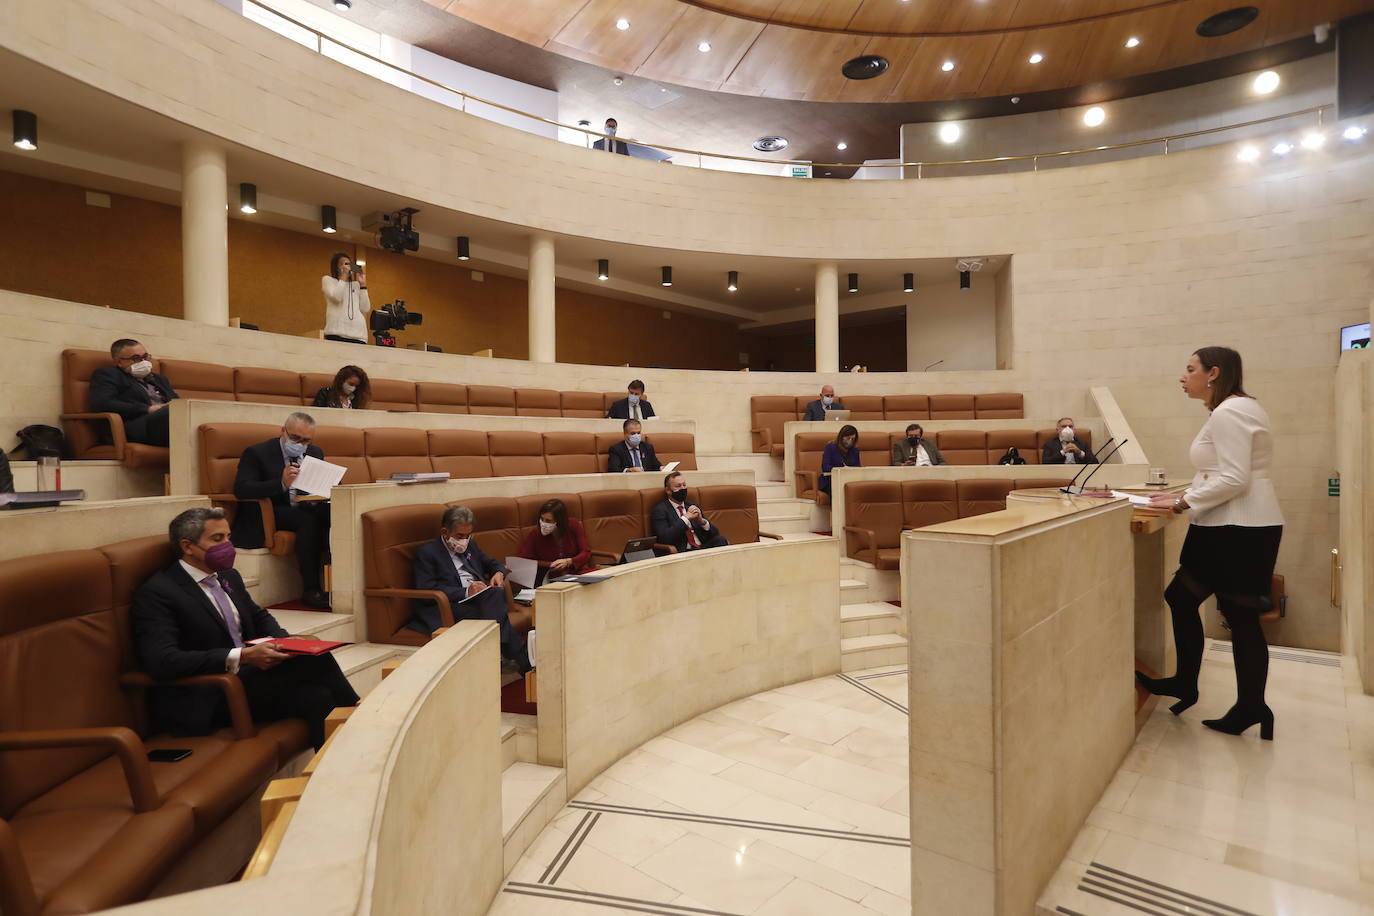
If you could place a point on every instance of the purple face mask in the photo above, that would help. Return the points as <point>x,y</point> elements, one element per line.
<point>220,557</point>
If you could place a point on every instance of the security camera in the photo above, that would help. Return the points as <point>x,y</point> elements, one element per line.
<point>1322,32</point>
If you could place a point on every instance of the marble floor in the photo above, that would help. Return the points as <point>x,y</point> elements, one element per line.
<point>795,802</point>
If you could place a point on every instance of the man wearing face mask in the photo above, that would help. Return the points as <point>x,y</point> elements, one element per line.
<point>916,450</point>
<point>196,617</point>
<point>1067,448</point>
<point>133,390</point>
<point>454,564</point>
<point>634,454</point>
<point>266,471</point>
<point>680,524</point>
<point>632,407</point>
<point>612,145</point>
<point>827,401</point>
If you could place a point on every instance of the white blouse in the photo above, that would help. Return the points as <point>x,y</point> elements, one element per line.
<point>1232,454</point>
<point>345,308</point>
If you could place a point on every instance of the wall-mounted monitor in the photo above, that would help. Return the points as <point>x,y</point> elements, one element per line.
<point>1355,337</point>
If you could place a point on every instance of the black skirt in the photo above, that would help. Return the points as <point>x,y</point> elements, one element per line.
<point>1232,559</point>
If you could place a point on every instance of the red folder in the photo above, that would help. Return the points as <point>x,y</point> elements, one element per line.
<point>294,646</point>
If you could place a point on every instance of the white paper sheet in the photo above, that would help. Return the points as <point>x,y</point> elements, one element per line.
<point>670,467</point>
<point>318,477</point>
<point>523,572</point>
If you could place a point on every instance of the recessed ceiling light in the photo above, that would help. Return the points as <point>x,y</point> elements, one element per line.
<point>841,145</point>
<point>1094,116</point>
<point>864,67</point>
<point>1248,154</point>
<point>770,144</point>
<point>1283,148</point>
<point>343,4</point>
<point>1354,132</point>
<point>1132,42</point>
<point>704,47</point>
<point>622,24</point>
<point>1227,21</point>
<point>1313,140</point>
<point>1266,82</point>
<point>949,132</point>
<point>947,66</point>
<point>1037,57</point>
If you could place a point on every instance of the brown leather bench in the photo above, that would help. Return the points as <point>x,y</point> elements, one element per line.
<point>878,511</point>
<point>91,435</point>
<point>86,822</point>
<point>768,413</point>
<point>611,517</point>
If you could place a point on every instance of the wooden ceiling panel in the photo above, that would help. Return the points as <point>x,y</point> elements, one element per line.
<point>591,35</point>
<point>1049,12</point>
<point>678,60</point>
<point>790,63</point>
<point>1105,55</point>
<point>1011,71</point>
<point>931,16</point>
<point>531,21</point>
<point>821,14</point>
<point>971,56</point>
<point>899,53</point>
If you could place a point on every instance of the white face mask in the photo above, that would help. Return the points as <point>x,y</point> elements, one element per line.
<point>141,368</point>
<point>547,527</point>
<point>826,400</point>
<point>1066,434</point>
<point>349,389</point>
<point>457,545</point>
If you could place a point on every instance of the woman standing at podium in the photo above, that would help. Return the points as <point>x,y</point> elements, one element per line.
<point>1232,543</point>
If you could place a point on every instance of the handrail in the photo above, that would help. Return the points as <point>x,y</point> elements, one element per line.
<point>919,165</point>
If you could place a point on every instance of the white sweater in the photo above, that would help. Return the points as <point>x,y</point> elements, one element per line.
<point>345,308</point>
<point>1232,454</point>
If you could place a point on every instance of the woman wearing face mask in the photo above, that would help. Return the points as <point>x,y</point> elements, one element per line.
<point>350,388</point>
<point>558,541</point>
<point>345,301</point>
<point>1232,543</point>
<point>843,452</point>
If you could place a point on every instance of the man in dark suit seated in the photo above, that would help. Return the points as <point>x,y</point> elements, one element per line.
<point>817,408</point>
<point>633,407</point>
<point>475,585</point>
<point>1067,448</point>
<point>266,471</point>
<point>916,450</point>
<point>196,617</point>
<point>133,390</point>
<point>615,146</point>
<point>634,454</point>
<point>681,524</point>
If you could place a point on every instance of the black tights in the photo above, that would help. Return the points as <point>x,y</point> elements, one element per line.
<point>1185,596</point>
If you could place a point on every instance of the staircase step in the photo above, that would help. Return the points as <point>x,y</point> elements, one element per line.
<point>518,737</point>
<point>869,618</point>
<point>321,624</point>
<point>531,795</point>
<point>872,651</point>
<point>853,591</point>
<point>362,663</point>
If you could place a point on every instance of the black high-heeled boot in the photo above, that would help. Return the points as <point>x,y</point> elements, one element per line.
<point>1183,600</point>
<point>1181,688</point>
<point>1238,720</point>
<point>1251,653</point>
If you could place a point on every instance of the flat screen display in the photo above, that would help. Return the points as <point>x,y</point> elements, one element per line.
<point>1355,337</point>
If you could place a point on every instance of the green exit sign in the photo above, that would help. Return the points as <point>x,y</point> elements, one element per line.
<point>1333,486</point>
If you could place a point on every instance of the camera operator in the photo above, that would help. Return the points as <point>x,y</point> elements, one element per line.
<point>345,301</point>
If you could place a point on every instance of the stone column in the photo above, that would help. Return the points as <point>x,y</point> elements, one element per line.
<point>541,287</point>
<point>204,233</point>
<point>827,318</point>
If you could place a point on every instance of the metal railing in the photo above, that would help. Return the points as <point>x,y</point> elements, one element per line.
<point>919,165</point>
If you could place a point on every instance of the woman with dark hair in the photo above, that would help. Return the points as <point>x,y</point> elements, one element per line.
<point>843,452</point>
<point>345,301</point>
<point>350,388</point>
<point>1232,543</point>
<point>558,542</point>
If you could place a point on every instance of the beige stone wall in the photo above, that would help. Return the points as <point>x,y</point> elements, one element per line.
<point>83,525</point>
<point>1354,397</point>
<point>1121,269</point>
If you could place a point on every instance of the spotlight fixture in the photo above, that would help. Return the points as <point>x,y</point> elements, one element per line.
<point>1036,58</point>
<point>1094,116</point>
<point>464,248</point>
<point>622,24</point>
<point>329,218</point>
<point>25,130</point>
<point>853,283</point>
<point>841,145</point>
<point>343,5</point>
<point>908,283</point>
<point>967,267</point>
<point>1313,140</point>
<point>950,131</point>
<point>704,47</point>
<point>1266,82</point>
<point>1248,154</point>
<point>248,197</point>
<point>965,280</point>
<point>1132,42</point>
<point>947,66</point>
<point>732,280</point>
<point>603,269</point>
<point>1283,148</point>
<point>1354,132</point>
<point>667,277</point>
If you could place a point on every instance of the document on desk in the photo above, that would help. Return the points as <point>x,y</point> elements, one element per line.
<point>318,477</point>
<point>1139,502</point>
<point>670,467</point>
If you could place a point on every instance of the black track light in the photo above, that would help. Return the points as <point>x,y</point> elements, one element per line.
<point>25,130</point>
<point>732,280</point>
<point>965,279</point>
<point>667,276</point>
<point>248,197</point>
<point>464,250</point>
<point>853,283</point>
<point>603,269</point>
<point>908,283</point>
<point>329,218</point>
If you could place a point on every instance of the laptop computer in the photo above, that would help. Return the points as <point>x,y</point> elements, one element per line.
<point>637,549</point>
<point>837,415</point>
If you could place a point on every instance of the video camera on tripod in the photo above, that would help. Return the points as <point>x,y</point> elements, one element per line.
<point>392,317</point>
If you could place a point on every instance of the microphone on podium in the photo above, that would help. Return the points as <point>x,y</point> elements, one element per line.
<point>1101,461</point>
<point>1070,488</point>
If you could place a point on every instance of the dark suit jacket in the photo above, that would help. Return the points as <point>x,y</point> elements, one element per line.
<point>259,477</point>
<point>619,457</point>
<point>1053,454</point>
<point>115,391</point>
<point>178,632</point>
<point>433,569</point>
<point>816,410</point>
<point>621,147</point>
<point>668,528</point>
<point>903,451</point>
<point>322,399</point>
<point>620,410</point>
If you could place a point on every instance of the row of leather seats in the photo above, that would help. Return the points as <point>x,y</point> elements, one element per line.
<point>878,511</point>
<point>610,517</point>
<point>768,413</point>
<point>86,822</point>
<point>957,446</point>
<point>211,381</point>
